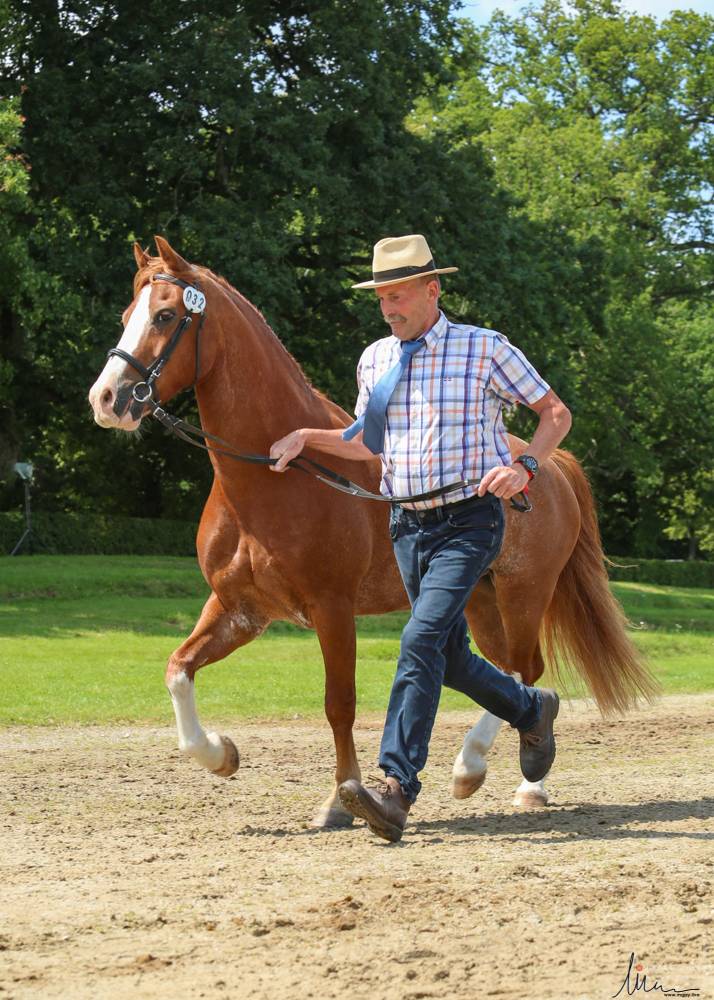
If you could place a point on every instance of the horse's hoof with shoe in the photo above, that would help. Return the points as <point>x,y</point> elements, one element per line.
<point>231,761</point>
<point>530,795</point>
<point>466,780</point>
<point>331,819</point>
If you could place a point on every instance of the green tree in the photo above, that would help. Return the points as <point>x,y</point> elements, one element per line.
<point>686,497</point>
<point>267,141</point>
<point>261,138</point>
<point>600,125</point>
<point>15,275</point>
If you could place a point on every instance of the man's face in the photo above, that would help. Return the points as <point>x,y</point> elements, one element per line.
<point>409,308</point>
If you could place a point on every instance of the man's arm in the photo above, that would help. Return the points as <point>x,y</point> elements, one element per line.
<point>329,441</point>
<point>553,424</point>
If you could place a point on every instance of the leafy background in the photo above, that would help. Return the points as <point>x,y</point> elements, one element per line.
<point>563,158</point>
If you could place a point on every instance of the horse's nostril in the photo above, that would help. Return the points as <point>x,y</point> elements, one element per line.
<point>107,397</point>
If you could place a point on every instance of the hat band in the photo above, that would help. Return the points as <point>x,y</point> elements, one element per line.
<point>404,272</point>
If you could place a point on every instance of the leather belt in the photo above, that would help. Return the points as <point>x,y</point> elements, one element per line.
<point>433,515</point>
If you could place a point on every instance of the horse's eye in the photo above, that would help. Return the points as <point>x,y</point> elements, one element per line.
<point>165,316</point>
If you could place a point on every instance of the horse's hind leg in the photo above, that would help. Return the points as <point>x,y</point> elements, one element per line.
<point>335,627</point>
<point>505,617</point>
<point>216,634</point>
<point>522,607</point>
<point>484,619</point>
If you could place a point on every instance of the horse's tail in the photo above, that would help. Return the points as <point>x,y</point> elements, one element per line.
<point>585,626</point>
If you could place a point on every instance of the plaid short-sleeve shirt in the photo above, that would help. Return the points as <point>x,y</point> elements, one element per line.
<point>444,419</point>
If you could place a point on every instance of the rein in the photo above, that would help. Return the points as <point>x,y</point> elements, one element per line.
<point>143,393</point>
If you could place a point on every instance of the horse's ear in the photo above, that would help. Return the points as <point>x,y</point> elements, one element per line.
<point>140,256</point>
<point>173,260</point>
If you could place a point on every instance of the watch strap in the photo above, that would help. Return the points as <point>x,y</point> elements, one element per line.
<point>527,461</point>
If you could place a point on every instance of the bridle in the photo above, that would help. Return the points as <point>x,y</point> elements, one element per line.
<point>144,394</point>
<point>195,302</point>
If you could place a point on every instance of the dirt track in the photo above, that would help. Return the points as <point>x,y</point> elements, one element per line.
<point>128,872</point>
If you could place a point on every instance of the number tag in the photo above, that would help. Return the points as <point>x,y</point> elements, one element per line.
<point>194,300</point>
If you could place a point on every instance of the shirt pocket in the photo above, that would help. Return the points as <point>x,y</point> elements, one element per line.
<point>459,397</point>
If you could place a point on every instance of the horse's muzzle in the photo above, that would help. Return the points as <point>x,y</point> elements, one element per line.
<point>124,399</point>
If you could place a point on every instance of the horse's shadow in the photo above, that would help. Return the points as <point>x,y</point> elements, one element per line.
<point>585,821</point>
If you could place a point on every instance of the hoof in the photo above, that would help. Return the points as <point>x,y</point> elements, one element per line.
<point>231,759</point>
<point>333,818</point>
<point>530,800</point>
<point>466,784</point>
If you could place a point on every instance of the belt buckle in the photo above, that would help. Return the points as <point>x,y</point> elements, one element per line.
<point>414,514</point>
<point>431,515</point>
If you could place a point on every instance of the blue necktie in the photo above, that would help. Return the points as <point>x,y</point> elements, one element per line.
<point>374,419</point>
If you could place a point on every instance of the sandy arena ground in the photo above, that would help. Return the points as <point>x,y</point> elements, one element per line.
<point>129,872</point>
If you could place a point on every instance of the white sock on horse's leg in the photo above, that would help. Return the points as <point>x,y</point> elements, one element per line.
<point>470,767</point>
<point>531,794</point>
<point>209,749</point>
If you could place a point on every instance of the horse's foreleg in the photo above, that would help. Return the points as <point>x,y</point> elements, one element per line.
<point>335,627</point>
<point>217,633</point>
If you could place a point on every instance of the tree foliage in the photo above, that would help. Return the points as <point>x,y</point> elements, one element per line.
<point>601,125</point>
<point>562,160</point>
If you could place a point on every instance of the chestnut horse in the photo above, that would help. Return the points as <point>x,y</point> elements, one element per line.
<point>289,548</point>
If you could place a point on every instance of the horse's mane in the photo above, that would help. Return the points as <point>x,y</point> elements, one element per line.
<point>155,265</point>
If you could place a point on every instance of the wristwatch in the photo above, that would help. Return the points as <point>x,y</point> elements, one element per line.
<point>529,463</point>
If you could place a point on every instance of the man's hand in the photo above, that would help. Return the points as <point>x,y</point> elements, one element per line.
<point>504,481</point>
<point>285,449</point>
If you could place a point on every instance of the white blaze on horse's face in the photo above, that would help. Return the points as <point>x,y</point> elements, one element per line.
<point>103,394</point>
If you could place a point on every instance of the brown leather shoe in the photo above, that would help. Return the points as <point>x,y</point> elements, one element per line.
<point>538,742</point>
<point>384,806</point>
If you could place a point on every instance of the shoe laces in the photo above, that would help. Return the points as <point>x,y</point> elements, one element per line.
<point>531,738</point>
<point>379,784</point>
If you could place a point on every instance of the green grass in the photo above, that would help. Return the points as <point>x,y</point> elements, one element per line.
<point>676,609</point>
<point>86,638</point>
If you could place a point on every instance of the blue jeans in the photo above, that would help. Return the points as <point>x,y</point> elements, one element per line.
<point>441,555</point>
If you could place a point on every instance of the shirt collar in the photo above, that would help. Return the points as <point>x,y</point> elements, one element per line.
<point>432,336</point>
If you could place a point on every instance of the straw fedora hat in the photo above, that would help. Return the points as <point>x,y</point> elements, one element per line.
<point>401,258</point>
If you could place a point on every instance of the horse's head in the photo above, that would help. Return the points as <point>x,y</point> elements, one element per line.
<point>158,353</point>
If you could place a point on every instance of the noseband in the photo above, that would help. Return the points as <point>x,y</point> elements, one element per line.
<point>195,302</point>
